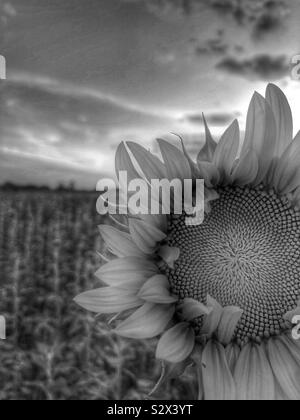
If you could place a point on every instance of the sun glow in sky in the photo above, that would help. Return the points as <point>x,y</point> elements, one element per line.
<point>83,75</point>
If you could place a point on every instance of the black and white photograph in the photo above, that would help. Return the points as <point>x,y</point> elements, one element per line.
<point>149,203</point>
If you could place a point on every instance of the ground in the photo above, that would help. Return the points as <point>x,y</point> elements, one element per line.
<point>54,349</point>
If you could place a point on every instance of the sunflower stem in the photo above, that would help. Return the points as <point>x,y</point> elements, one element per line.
<point>117,222</point>
<point>200,383</point>
<point>159,382</point>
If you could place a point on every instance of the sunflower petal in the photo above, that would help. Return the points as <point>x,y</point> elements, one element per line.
<point>157,290</point>
<point>253,375</point>
<point>297,197</point>
<point>209,148</point>
<point>169,371</point>
<point>158,221</point>
<point>123,162</point>
<point>169,255</point>
<point>260,134</point>
<point>192,309</point>
<point>293,345</point>
<point>127,273</point>
<point>194,168</point>
<point>280,394</point>
<point>177,165</point>
<point>217,378</point>
<point>108,300</point>
<point>196,357</point>
<point>267,151</point>
<point>291,183</point>
<point>232,352</point>
<point>227,149</point>
<point>147,322</point>
<point>283,118</point>
<point>287,176</point>
<point>119,243</point>
<point>150,165</point>
<point>255,127</point>
<point>246,169</point>
<point>211,194</point>
<point>176,344</point>
<point>285,367</point>
<point>210,173</point>
<point>145,236</point>
<point>211,321</point>
<point>230,318</point>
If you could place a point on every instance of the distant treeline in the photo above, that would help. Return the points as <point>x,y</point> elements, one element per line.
<point>11,187</point>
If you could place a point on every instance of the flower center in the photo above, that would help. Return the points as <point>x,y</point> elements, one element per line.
<point>246,254</point>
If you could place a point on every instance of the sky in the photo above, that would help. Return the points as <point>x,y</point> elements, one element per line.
<point>84,75</point>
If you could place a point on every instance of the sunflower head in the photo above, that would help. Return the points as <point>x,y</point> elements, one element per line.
<point>220,295</point>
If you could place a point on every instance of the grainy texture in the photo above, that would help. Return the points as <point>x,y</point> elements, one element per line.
<point>55,350</point>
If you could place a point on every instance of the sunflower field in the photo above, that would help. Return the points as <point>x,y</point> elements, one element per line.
<point>54,350</point>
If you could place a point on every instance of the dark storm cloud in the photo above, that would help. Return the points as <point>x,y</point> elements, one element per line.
<point>212,46</point>
<point>264,16</point>
<point>217,119</point>
<point>260,67</point>
<point>271,18</point>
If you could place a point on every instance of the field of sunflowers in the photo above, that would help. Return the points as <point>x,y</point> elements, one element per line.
<point>54,350</point>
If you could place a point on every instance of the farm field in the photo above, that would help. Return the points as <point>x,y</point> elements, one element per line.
<point>54,350</point>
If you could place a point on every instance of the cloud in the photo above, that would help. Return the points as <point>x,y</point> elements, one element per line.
<point>80,92</point>
<point>212,46</point>
<point>71,114</point>
<point>56,124</point>
<point>271,18</point>
<point>7,12</point>
<point>164,58</point>
<point>260,67</point>
<point>216,119</point>
<point>263,16</point>
<point>166,7</point>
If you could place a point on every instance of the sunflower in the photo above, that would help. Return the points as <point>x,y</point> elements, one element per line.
<point>221,295</point>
